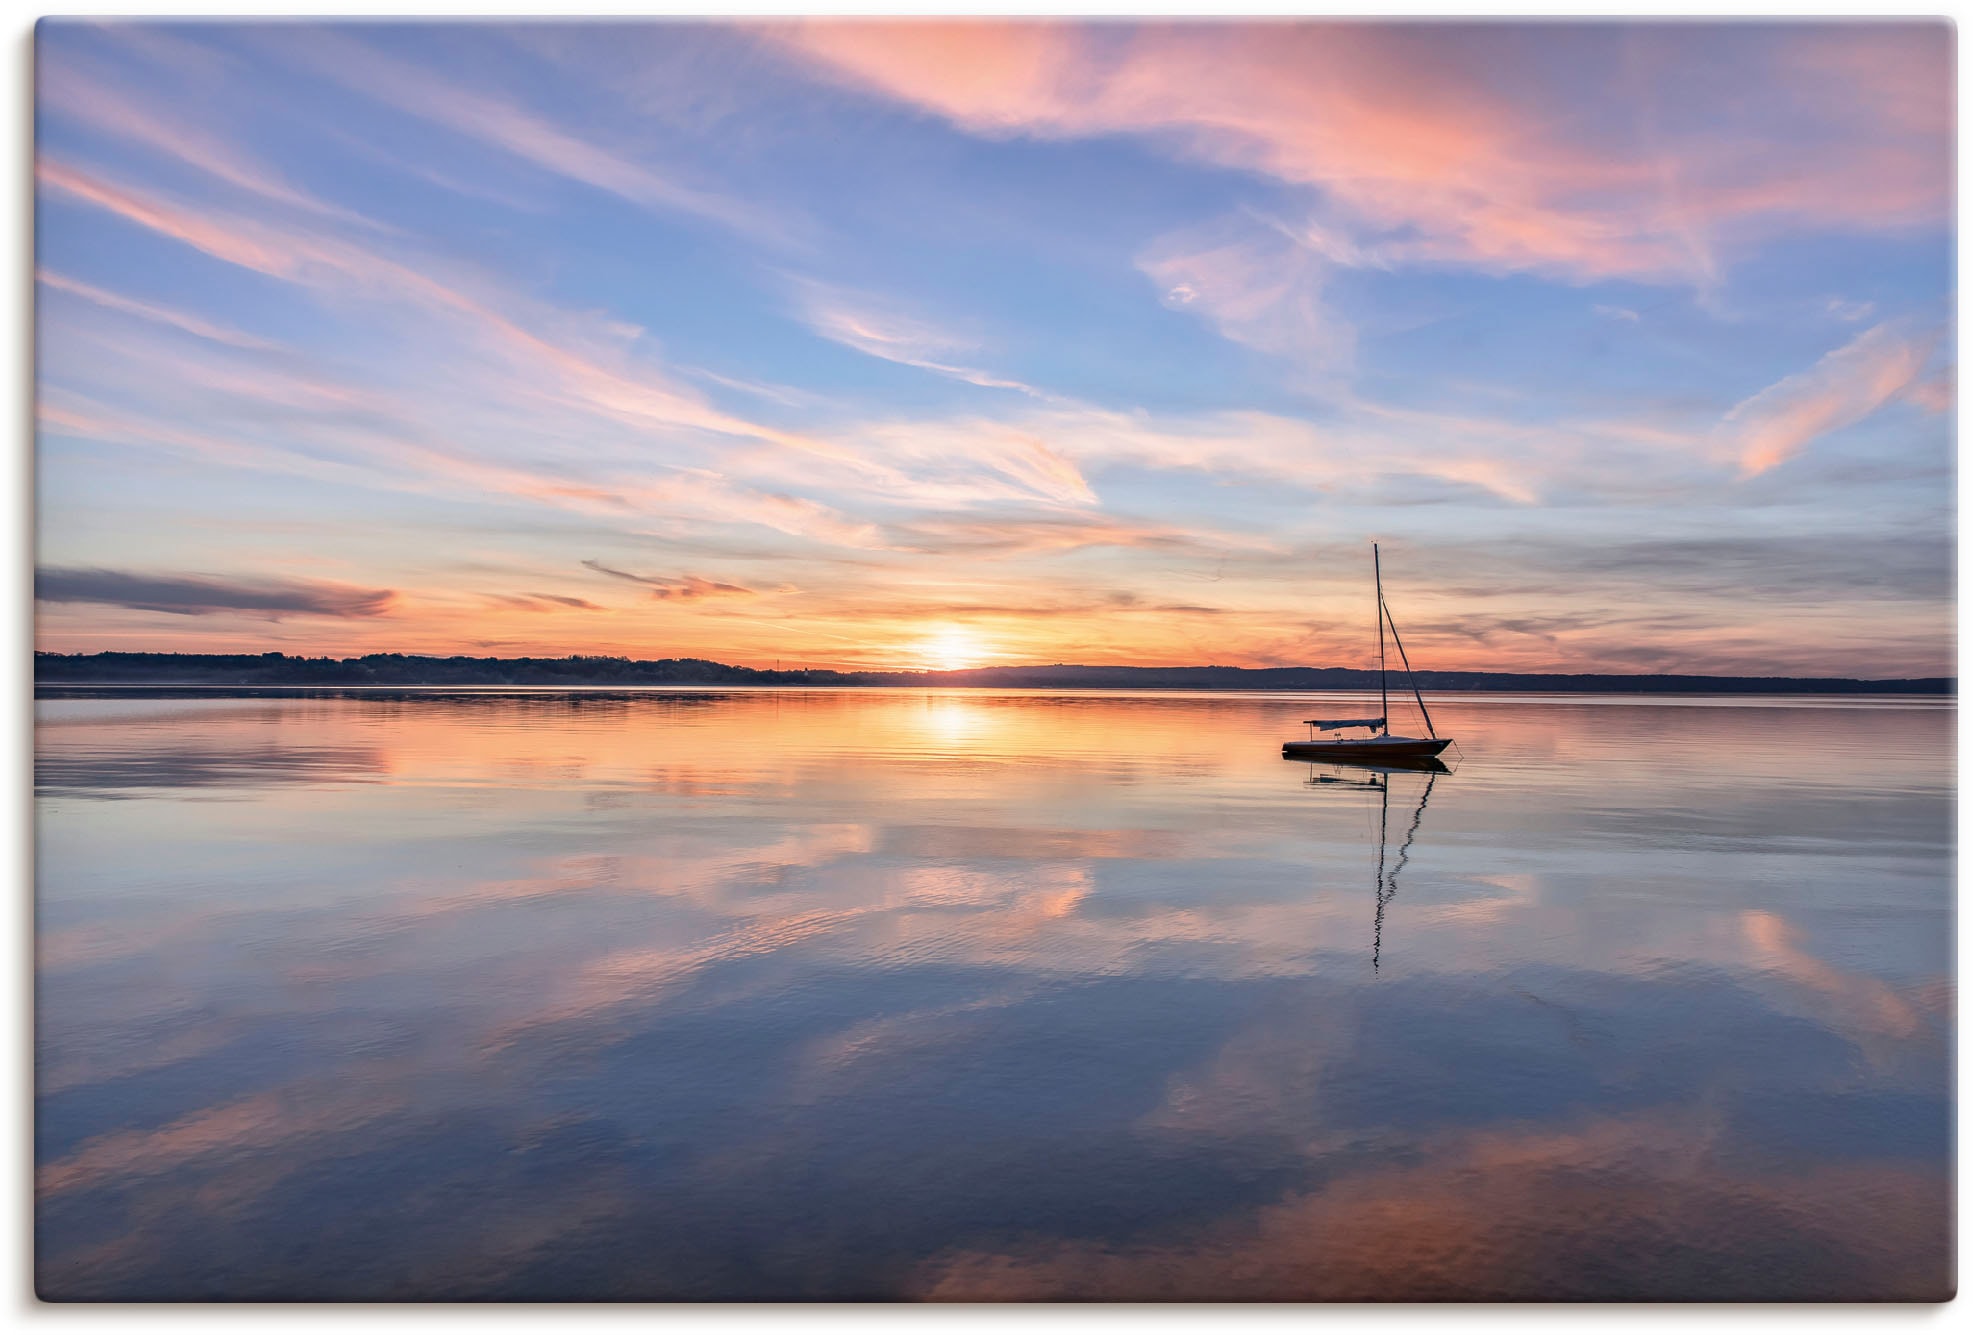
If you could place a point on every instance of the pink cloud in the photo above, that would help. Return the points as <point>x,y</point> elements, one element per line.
<point>1935,394</point>
<point>379,461</point>
<point>1843,388</point>
<point>244,244</point>
<point>563,375</point>
<point>1359,450</point>
<point>145,310</point>
<point>342,268</point>
<point>1259,285</point>
<point>1470,145</point>
<point>960,464</point>
<point>93,99</point>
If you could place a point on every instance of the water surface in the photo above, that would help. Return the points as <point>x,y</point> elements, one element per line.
<point>972,995</point>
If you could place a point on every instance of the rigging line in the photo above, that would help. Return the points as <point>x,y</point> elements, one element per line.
<point>1409,675</point>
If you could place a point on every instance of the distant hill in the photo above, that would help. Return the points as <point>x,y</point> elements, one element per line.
<point>132,669</point>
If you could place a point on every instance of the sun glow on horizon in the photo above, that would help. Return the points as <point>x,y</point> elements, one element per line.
<point>949,649</point>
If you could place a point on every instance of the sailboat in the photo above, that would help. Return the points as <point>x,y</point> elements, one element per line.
<point>1379,747</point>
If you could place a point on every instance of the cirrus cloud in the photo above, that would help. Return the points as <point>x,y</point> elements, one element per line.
<point>1472,145</point>
<point>1842,389</point>
<point>686,589</point>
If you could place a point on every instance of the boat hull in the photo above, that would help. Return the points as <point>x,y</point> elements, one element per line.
<point>1393,765</point>
<point>1376,750</point>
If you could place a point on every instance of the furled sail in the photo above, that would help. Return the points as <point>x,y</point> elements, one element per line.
<point>1331,724</point>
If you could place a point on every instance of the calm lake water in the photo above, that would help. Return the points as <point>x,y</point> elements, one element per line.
<point>969,995</point>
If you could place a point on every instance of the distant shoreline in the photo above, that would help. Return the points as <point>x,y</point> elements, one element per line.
<point>209,671</point>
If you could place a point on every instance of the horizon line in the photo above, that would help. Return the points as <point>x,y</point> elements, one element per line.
<point>1950,677</point>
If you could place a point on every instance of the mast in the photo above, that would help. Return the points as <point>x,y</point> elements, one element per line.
<point>1383,688</point>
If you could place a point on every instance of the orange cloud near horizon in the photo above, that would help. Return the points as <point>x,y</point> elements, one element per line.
<point>794,629</point>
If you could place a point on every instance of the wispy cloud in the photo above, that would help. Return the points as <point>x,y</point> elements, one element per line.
<point>403,462</point>
<point>202,595</point>
<point>98,100</point>
<point>541,602</point>
<point>1934,394</point>
<point>1001,535</point>
<point>505,125</point>
<point>1441,156</point>
<point>976,460</point>
<point>146,310</point>
<point>319,261</point>
<point>859,321</point>
<point>1357,451</point>
<point>684,589</point>
<point>628,395</point>
<point>1258,285</point>
<point>1843,388</point>
<point>692,588</point>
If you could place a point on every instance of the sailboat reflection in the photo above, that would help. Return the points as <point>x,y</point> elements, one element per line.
<point>1388,868</point>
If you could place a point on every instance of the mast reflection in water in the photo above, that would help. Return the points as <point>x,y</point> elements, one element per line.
<point>1379,780</point>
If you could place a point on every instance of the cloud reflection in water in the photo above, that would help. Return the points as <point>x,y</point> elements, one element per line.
<point>879,994</point>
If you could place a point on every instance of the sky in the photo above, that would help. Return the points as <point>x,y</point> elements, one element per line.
<point>943,344</point>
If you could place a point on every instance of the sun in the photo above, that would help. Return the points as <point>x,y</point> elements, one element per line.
<point>949,648</point>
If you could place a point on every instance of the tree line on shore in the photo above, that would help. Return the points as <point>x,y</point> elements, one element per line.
<point>278,669</point>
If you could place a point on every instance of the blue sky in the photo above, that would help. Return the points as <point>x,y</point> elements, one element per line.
<point>934,344</point>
